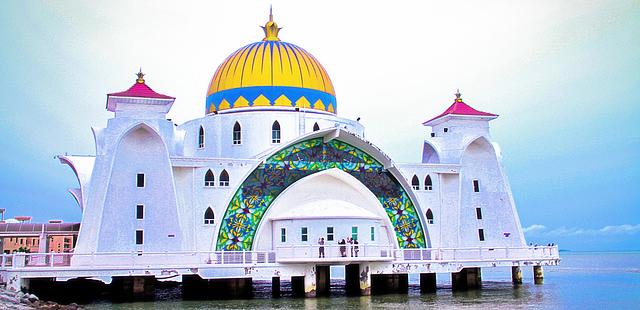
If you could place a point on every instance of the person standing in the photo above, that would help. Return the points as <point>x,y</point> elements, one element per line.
<point>355,247</point>
<point>350,241</point>
<point>343,248</point>
<point>321,248</point>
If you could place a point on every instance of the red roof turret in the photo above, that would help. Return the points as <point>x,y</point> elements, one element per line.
<point>460,108</point>
<point>140,90</point>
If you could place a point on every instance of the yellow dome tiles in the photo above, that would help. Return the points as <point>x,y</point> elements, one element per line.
<point>271,73</point>
<point>271,63</point>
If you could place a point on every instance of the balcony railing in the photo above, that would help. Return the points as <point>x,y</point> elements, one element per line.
<point>300,253</point>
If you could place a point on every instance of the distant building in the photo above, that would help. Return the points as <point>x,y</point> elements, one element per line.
<point>55,237</point>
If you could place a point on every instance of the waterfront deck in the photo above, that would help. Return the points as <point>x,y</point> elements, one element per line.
<point>284,262</point>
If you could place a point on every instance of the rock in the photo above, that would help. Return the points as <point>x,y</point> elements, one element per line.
<point>73,306</point>
<point>33,298</point>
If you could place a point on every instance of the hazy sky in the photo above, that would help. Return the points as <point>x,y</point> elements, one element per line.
<point>563,75</point>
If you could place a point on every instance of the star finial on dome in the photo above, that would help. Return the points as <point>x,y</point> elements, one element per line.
<point>271,28</point>
<point>458,95</point>
<point>140,76</point>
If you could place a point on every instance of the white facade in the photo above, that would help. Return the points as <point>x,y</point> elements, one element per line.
<point>175,160</point>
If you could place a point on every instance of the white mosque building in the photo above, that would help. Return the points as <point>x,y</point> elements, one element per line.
<point>271,168</point>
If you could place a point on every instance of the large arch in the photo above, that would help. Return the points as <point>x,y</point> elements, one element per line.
<point>249,204</point>
<point>328,185</point>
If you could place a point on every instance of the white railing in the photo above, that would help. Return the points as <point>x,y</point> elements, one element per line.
<point>478,254</point>
<point>135,259</point>
<point>312,251</point>
<point>301,252</point>
<point>363,251</point>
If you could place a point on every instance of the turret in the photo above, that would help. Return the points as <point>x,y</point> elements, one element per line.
<point>139,101</point>
<point>453,130</point>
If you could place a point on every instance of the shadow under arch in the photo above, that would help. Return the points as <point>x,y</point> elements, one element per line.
<point>346,187</point>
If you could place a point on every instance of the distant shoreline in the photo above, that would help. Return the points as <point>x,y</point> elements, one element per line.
<point>599,251</point>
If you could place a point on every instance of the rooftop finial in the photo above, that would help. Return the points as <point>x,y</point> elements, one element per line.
<point>271,28</point>
<point>458,95</point>
<point>140,76</point>
<point>270,12</point>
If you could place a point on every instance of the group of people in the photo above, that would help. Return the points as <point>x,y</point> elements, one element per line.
<point>353,247</point>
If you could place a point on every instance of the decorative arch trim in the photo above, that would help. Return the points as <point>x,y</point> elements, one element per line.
<point>254,196</point>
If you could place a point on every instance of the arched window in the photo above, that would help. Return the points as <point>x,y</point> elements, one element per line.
<point>237,134</point>
<point>275,132</point>
<point>429,216</point>
<point>316,127</point>
<point>428,185</point>
<point>209,179</point>
<point>224,178</point>
<point>415,183</point>
<point>201,138</point>
<point>209,217</point>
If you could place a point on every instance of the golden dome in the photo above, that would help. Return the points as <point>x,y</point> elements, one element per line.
<point>271,73</point>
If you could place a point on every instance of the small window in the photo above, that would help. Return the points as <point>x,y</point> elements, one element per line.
<point>283,235</point>
<point>373,234</point>
<point>209,217</point>
<point>433,134</point>
<point>415,183</point>
<point>304,236</point>
<point>329,233</point>
<point>476,186</point>
<point>429,216</point>
<point>479,213</point>
<point>428,184</point>
<point>139,236</point>
<point>446,129</point>
<point>316,127</point>
<point>140,212</point>
<point>201,138</point>
<point>237,134</point>
<point>481,234</point>
<point>224,178</point>
<point>209,179</point>
<point>354,232</point>
<point>275,132</point>
<point>140,180</point>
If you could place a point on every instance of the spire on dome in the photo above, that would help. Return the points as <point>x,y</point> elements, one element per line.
<point>458,95</point>
<point>271,28</point>
<point>140,76</point>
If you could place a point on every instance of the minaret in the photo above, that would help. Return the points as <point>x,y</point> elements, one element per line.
<point>139,101</point>
<point>457,126</point>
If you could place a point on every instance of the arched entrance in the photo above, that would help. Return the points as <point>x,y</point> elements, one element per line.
<point>251,201</point>
<point>332,205</point>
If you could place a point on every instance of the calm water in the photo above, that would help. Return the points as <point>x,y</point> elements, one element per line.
<point>582,281</point>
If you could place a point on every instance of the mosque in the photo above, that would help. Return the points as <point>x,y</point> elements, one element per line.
<point>271,172</point>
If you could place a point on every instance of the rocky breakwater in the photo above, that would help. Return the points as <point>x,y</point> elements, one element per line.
<point>19,301</point>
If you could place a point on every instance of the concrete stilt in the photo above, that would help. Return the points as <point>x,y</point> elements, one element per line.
<point>467,278</point>
<point>133,288</point>
<point>538,275</point>
<point>194,287</point>
<point>365,280</point>
<point>323,280</point>
<point>297,286</point>
<point>427,283</point>
<point>310,283</point>
<point>516,275</point>
<point>275,287</point>
<point>352,279</point>
<point>389,283</point>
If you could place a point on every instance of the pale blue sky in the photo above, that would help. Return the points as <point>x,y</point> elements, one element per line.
<point>563,75</point>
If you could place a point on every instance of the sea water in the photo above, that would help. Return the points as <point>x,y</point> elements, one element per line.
<point>584,280</point>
